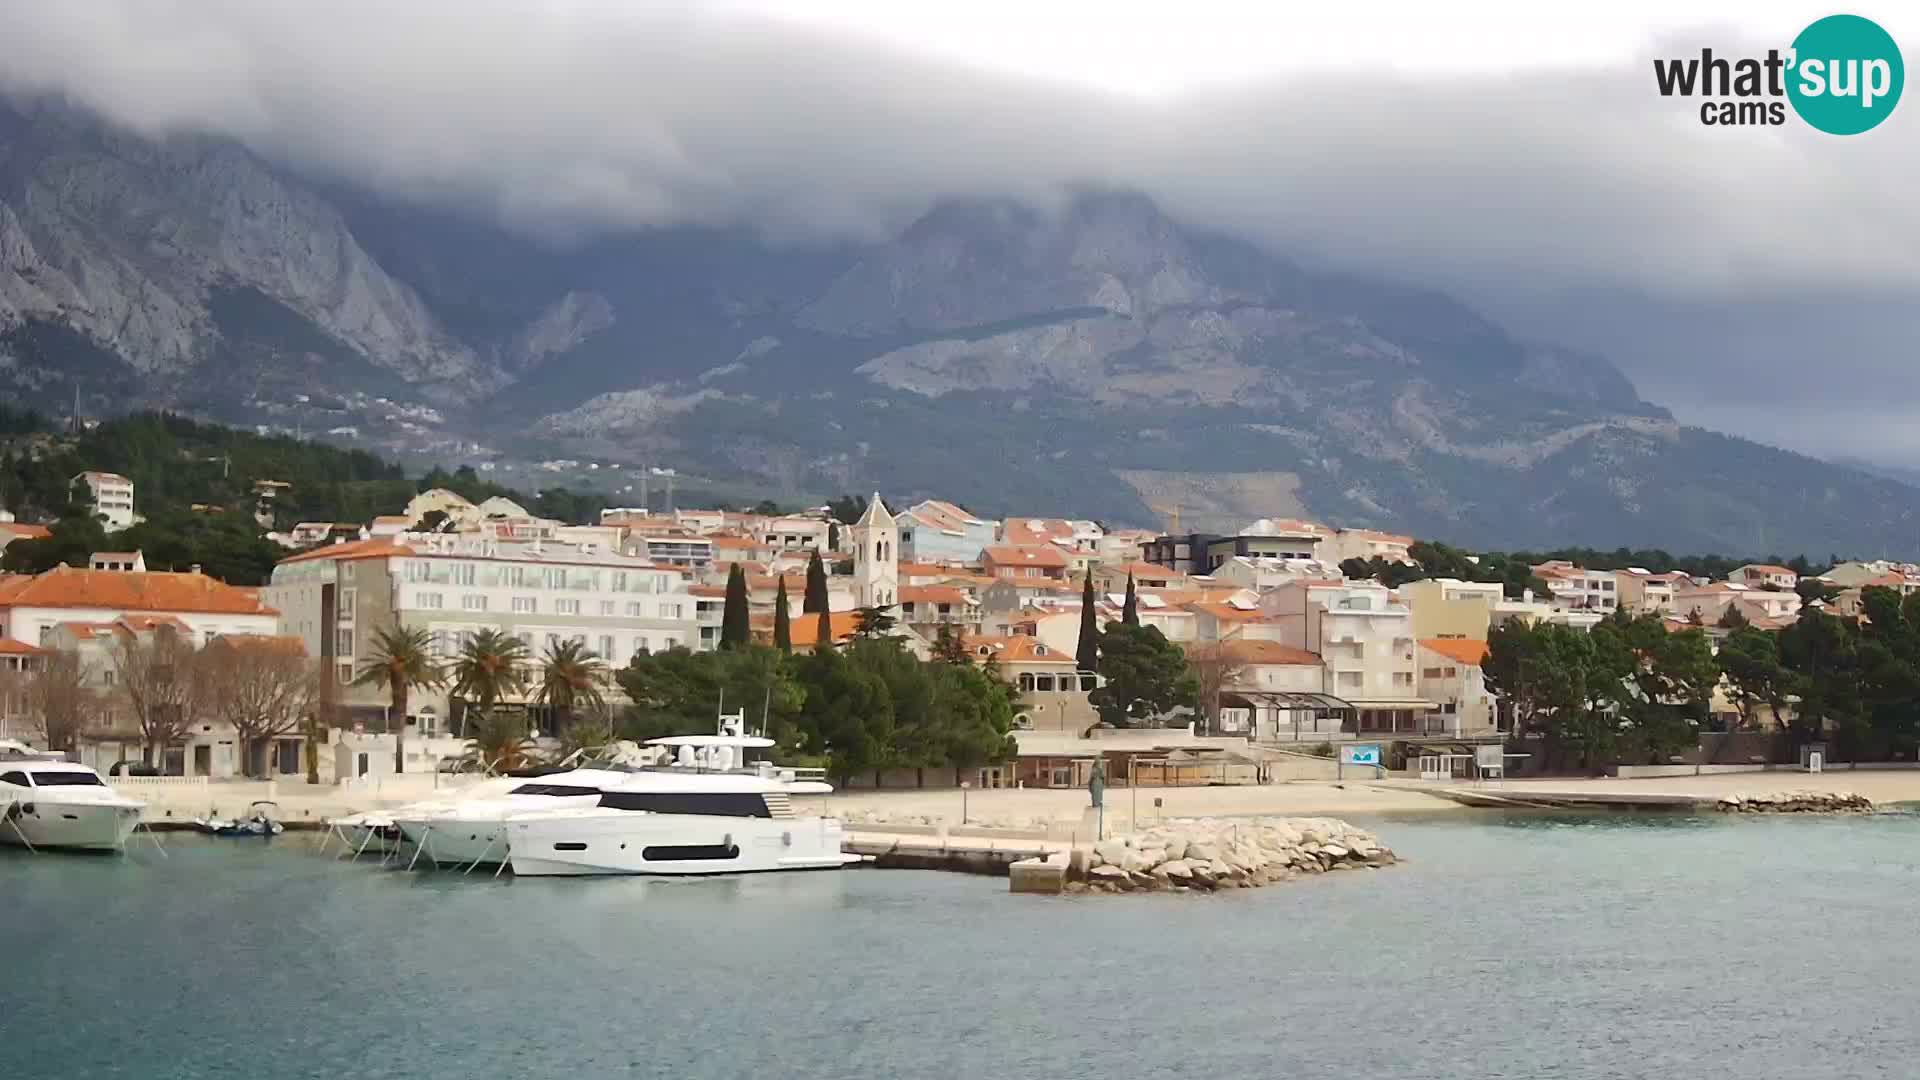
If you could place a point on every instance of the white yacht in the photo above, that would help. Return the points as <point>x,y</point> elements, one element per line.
<point>469,829</point>
<point>46,802</point>
<point>700,815</point>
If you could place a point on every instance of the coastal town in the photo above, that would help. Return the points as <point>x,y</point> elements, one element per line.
<point>1247,657</point>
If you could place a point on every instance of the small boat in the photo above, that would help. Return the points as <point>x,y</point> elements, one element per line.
<point>47,801</point>
<point>258,822</point>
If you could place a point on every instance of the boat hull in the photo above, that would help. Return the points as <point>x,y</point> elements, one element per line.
<point>93,826</point>
<point>452,842</point>
<point>671,845</point>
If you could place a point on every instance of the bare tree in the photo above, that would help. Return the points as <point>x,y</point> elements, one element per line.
<point>1216,667</point>
<point>264,687</point>
<point>59,700</point>
<point>161,680</point>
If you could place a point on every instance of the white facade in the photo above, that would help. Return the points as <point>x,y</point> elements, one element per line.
<point>1462,704</point>
<point>112,497</point>
<point>1365,642</point>
<point>455,586</point>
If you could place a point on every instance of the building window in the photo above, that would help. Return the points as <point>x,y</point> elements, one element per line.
<point>431,601</point>
<point>606,646</point>
<point>606,607</point>
<point>343,642</point>
<point>525,605</point>
<point>347,597</point>
<point>635,609</point>
<point>669,611</point>
<point>567,606</point>
<point>473,602</point>
<point>463,573</point>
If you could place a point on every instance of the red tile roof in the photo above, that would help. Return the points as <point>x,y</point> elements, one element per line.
<point>1255,651</point>
<point>378,547</point>
<point>122,590</point>
<point>931,594</point>
<point>1465,650</point>
<point>1025,555</point>
<point>1229,613</point>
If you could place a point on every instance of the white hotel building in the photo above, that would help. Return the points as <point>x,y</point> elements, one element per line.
<point>453,586</point>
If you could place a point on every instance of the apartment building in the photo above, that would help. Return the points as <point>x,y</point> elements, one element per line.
<point>1765,576</point>
<point>111,497</point>
<point>1643,590</point>
<point>1025,561</point>
<point>1578,587</point>
<point>1368,544</point>
<point>336,598</point>
<point>1365,640</point>
<point>1268,538</point>
<point>1451,677</point>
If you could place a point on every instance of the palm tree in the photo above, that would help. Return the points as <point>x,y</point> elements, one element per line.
<point>402,661</point>
<point>571,676</point>
<point>491,665</point>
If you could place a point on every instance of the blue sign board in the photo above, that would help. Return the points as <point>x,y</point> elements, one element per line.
<point>1360,754</point>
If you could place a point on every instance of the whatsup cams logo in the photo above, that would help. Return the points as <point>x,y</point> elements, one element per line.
<point>1842,75</point>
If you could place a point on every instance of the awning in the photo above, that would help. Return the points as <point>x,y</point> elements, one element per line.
<point>1287,699</point>
<point>1397,703</point>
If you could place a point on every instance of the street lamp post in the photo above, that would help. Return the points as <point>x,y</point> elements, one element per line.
<point>964,785</point>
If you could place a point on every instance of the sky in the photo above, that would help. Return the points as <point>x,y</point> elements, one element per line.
<point>1761,280</point>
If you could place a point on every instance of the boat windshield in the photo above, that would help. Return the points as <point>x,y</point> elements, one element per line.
<point>553,789</point>
<point>67,779</point>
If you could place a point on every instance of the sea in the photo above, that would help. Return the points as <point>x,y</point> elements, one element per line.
<point>1525,946</point>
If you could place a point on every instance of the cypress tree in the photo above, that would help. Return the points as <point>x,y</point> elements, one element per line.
<point>782,622</point>
<point>734,626</point>
<point>1087,656</point>
<point>823,637</point>
<point>1130,611</point>
<point>816,596</point>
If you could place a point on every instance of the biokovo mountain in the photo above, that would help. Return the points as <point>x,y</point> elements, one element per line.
<point>1100,359</point>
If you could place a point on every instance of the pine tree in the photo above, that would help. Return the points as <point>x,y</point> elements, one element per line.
<point>1087,656</point>
<point>782,622</point>
<point>1130,611</point>
<point>816,596</point>
<point>735,628</point>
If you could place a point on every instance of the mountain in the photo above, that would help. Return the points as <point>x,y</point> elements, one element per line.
<point>1098,358</point>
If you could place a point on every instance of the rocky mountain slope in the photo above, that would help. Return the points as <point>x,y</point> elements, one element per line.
<point>1101,359</point>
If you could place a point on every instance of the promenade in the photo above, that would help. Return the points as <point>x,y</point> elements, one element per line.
<point>1026,809</point>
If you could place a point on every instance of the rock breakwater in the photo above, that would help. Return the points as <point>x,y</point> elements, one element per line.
<point>1795,802</point>
<point>1209,854</point>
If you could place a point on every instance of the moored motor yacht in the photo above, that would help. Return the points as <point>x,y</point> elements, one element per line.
<point>469,830</point>
<point>699,815</point>
<point>46,802</point>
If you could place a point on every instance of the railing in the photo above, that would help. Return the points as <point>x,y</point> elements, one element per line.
<point>156,781</point>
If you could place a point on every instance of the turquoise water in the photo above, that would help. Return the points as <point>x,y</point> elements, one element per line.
<point>1507,947</point>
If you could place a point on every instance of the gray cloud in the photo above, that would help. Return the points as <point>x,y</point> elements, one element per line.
<point>588,117</point>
